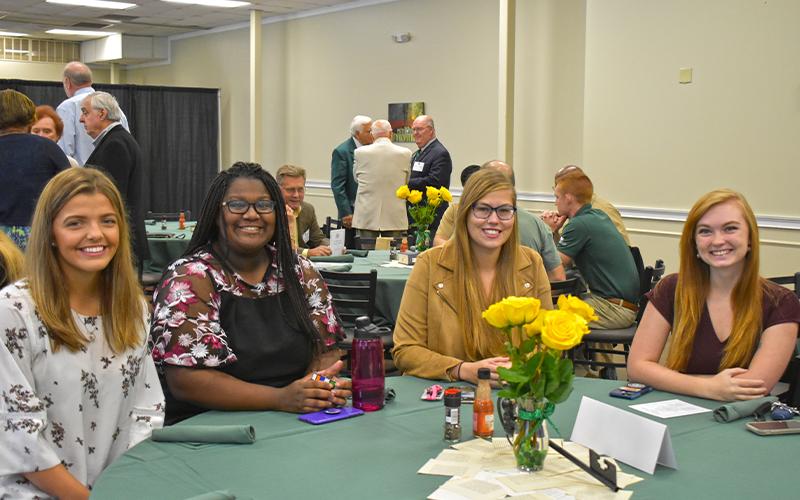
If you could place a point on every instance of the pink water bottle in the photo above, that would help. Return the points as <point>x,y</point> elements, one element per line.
<point>367,366</point>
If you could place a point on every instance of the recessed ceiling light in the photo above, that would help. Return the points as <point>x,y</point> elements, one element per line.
<point>80,32</point>
<point>212,3</point>
<point>11,33</point>
<point>17,51</point>
<point>98,4</point>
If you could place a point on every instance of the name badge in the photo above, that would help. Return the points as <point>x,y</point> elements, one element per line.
<point>418,166</point>
<point>306,235</point>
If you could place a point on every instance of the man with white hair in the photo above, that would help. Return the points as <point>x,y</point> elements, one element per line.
<point>117,153</point>
<point>380,168</point>
<point>343,182</point>
<point>77,85</point>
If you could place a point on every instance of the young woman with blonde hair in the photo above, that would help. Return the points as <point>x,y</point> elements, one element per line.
<point>733,332</point>
<point>11,261</point>
<point>439,332</point>
<point>78,382</point>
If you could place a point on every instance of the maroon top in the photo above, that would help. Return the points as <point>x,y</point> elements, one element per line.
<point>779,304</point>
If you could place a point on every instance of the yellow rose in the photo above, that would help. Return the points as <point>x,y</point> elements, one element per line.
<point>563,330</point>
<point>431,192</point>
<point>402,192</point>
<point>512,311</point>
<point>414,196</point>
<point>535,328</point>
<point>577,306</point>
<point>495,316</point>
<point>435,202</point>
<point>445,194</point>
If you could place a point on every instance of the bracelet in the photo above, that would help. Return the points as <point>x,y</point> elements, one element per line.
<point>458,371</point>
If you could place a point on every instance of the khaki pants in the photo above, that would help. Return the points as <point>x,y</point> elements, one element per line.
<point>368,233</point>
<point>611,317</point>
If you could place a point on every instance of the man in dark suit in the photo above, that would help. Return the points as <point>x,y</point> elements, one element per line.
<point>117,153</point>
<point>343,184</point>
<point>430,165</point>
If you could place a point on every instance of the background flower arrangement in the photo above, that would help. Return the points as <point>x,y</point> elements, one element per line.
<point>540,376</point>
<point>423,210</point>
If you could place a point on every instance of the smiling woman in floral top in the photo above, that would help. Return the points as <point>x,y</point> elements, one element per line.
<point>77,384</point>
<point>241,320</point>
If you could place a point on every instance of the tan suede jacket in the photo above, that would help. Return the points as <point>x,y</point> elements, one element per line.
<point>427,342</point>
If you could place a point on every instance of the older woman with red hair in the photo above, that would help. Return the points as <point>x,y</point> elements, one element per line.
<point>50,126</point>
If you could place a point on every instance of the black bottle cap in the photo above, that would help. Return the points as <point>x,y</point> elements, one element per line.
<point>452,398</point>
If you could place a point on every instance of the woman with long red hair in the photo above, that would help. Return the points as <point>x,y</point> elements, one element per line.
<point>732,332</point>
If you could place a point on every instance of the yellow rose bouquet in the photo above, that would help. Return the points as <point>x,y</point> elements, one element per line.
<point>540,375</point>
<point>423,210</point>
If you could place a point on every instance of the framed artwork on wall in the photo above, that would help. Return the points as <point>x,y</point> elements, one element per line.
<point>401,116</point>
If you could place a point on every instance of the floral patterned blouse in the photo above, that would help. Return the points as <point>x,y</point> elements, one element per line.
<point>186,326</point>
<point>81,409</point>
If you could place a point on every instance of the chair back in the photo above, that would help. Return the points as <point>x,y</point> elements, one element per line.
<point>792,282</point>
<point>331,223</point>
<point>353,294</point>
<point>568,286</point>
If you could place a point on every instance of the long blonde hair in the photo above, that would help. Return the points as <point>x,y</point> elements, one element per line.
<point>11,259</point>
<point>122,301</point>
<point>693,288</point>
<point>479,340</point>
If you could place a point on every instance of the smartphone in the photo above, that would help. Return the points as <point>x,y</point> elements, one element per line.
<point>330,415</point>
<point>630,391</point>
<point>774,427</point>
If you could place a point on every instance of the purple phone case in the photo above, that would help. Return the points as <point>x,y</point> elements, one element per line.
<point>320,417</point>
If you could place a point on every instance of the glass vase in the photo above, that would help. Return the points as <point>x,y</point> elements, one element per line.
<point>422,239</point>
<point>531,438</point>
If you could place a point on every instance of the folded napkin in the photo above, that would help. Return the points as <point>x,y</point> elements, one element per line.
<point>215,495</point>
<point>333,266</point>
<point>740,409</point>
<point>332,258</point>
<point>357,253</point>
<point>220,434</point>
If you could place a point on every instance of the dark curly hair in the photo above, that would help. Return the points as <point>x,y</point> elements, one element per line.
<point>294,304</point>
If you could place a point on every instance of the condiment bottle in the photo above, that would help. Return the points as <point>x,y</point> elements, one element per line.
<point>483,408</point>
<point>182,221</point>
<point>367,366</point>
<point>404,245</point>
<point>163,223</point>
<point>452,415</point>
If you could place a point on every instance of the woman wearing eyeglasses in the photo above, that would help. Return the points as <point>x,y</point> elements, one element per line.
<point>439,332</point>
<point>241,320</point>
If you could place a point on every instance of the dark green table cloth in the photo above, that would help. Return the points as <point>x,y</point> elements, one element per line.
<point>166,245</point>
<point>391,282</point>
<point>377,455</point>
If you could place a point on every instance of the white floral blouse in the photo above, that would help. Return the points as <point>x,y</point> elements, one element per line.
<point>80,409</point>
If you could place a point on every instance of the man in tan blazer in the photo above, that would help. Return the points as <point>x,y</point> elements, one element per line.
<point>380,168</point>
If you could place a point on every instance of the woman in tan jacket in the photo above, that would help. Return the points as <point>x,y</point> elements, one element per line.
<point>440,333</point>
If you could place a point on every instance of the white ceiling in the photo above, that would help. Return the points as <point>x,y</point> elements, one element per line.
<point>148,18</point>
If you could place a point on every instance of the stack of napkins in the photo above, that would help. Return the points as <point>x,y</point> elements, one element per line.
<point>487,470</point>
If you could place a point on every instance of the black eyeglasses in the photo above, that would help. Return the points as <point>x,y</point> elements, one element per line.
<point>483,211</point>
<point>241,206</point>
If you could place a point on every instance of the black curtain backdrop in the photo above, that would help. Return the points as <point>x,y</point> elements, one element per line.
<point>177,129</point>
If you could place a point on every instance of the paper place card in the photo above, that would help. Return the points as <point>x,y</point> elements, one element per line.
<point>337,241</point>
<point>629,438</point>
<point>669,409</point>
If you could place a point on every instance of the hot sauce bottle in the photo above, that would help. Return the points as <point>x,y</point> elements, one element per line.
<point>482,407</point>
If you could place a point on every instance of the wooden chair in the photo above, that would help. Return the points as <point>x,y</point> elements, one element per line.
<point>620,339</point>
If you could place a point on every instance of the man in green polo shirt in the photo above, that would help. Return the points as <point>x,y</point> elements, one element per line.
<point>592,243</point>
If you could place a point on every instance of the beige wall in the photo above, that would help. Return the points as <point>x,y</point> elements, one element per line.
<point>44,71</point>
<point>596,84</point>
